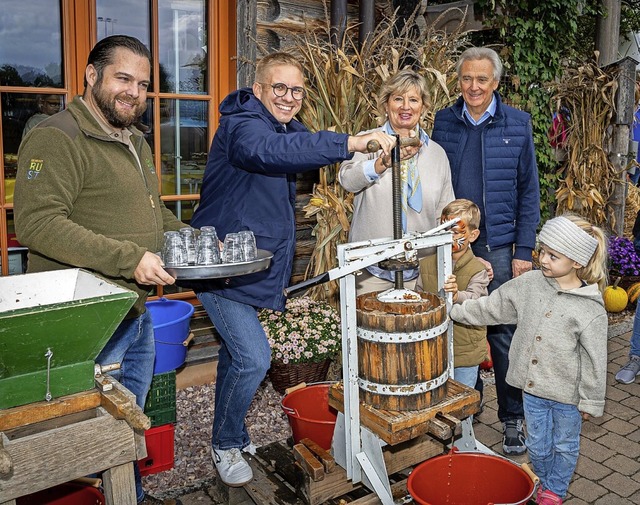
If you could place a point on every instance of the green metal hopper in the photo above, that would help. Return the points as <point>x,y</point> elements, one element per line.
<point>52,327</point>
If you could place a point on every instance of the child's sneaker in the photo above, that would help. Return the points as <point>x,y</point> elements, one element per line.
<point>513,438</point>
<point>627,373</point>
<point>549,498</point>
<point>232,469</point>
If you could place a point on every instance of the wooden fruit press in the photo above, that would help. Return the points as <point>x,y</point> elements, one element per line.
<point>380,402</point>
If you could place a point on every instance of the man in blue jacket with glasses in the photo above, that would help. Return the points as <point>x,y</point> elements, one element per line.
<point>250,184</point>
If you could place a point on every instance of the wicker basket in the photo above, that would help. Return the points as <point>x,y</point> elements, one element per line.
<point>285,376</point>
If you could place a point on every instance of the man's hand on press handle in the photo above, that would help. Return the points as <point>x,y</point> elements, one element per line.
<point>359,143</point>
<point>150,272</point>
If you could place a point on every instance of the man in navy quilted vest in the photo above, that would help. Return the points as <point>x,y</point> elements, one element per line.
<point>493,163</point>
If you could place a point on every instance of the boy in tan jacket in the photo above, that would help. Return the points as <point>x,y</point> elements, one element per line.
<point>469,281</point>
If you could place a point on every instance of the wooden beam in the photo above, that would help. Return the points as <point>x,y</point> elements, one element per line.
<point>32,413</point>
<point>85,447</point>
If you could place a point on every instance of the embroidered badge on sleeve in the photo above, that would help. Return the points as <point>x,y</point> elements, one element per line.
<point>35,167</point>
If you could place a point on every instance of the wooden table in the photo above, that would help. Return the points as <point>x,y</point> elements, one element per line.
<point>44,444</point>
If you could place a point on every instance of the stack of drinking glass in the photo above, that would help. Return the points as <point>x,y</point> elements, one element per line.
<point>201,247</point>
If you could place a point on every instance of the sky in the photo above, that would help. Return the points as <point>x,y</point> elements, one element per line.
<point>30,32</point>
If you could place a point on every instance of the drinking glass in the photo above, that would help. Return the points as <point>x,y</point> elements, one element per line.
<point>208,251</point>
<point>249,248</point>
<point>208,229</point>
<point>174,253</point>
<point>189,238</point>
<point>233,252</point>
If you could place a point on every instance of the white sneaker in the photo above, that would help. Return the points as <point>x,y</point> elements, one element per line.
<point>232,469</point>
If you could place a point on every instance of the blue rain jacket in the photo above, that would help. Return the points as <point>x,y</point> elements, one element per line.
<point>250,184</point>
<point>510,172</point>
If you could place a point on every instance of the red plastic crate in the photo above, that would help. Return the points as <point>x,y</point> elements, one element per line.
<point>64,494</point>
<point>160,450</point>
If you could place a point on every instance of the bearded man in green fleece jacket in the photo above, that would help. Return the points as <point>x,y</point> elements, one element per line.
<point>87,196</point>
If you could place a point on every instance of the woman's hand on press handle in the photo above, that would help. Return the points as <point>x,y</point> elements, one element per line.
<point>383,162</point>
<point>358,143</point>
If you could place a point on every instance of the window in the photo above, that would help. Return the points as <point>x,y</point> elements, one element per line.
<point>44,46</point>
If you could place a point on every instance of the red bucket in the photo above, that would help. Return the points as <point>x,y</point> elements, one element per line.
<point>310,415</point>
<point>470,478</point>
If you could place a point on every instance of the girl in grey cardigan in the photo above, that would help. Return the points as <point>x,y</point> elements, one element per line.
<point>558,355</point>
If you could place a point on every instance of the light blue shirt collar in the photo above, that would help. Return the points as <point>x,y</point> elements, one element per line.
<point>490,112</point>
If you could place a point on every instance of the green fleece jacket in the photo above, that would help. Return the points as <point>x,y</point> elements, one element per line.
<point>82,200</point>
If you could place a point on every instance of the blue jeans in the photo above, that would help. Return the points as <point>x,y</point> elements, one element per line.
<point>466,375</point>
<point>553,441</point>
<point>132,345</point>
<point>499,336</point>
<point>243,361</point>
<point>635,334</point>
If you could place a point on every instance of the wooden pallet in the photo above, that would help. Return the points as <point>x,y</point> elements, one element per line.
<point>304,475</point>
<point>395,427</point>
<point>280,477</point>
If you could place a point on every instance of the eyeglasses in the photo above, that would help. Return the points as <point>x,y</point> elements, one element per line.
<point>280,89</point>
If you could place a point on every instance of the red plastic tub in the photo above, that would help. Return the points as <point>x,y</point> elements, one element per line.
<point>64,494</point>
<point>470,478</point>
<point>310,415</point>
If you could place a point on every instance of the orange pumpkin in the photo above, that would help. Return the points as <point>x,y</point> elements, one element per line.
<point>633,292</point>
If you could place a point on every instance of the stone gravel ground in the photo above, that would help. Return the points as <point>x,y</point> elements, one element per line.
<point>193,467</point>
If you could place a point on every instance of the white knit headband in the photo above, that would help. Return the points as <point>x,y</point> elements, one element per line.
<point>566,237</point>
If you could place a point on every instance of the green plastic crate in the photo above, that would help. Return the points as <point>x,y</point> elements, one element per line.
<point>160,406</point>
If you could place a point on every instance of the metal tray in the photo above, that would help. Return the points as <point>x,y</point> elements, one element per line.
<point>223,269</point>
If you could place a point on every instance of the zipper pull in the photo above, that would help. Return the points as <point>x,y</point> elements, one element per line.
<point>153,205</point>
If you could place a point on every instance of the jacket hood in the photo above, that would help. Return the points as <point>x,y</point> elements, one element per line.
<point>244,101</point>
<point>590,291</point>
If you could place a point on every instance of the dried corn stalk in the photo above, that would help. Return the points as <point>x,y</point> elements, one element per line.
<point>631,208</point>
<point>587,177</point>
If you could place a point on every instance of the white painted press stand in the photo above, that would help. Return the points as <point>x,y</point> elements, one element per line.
<point>357,449</point>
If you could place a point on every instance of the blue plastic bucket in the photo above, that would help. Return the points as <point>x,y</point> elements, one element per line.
<point>171,329</point>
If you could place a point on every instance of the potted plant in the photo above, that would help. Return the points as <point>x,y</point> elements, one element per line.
<point>623,261</point>
<point>303,339</point>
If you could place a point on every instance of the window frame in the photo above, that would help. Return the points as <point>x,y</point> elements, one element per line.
<point>79,34</point>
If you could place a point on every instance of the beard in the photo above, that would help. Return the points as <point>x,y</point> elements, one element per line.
<point>107,105</point>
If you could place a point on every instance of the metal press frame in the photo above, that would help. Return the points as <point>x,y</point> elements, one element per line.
<point>357,449</point>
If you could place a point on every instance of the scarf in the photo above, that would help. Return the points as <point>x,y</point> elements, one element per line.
<point>410,176</point>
